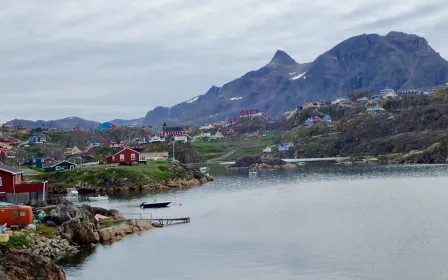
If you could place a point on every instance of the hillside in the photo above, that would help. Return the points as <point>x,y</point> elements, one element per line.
<point>368,61</point>
<point>410,125</point>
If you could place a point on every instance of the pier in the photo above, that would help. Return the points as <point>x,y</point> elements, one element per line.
<point>162,221</point>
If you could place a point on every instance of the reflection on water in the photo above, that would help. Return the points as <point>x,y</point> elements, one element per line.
<point>313,222</point>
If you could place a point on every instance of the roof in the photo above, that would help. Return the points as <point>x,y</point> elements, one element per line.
<point>175,129</point>
<point>57,163</point>
<point>126,149</point>
<point>9,169</point>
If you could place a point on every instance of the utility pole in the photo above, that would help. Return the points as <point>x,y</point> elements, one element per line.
<point>174,158</point>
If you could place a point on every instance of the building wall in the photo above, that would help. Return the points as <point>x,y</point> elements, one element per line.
<point>7,182</point>
<point>127,157</point>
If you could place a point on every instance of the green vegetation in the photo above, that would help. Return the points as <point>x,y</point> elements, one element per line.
<point>46,231</point>
<point>110,177</point>
<point>109,223</point>
<point>16,241</point>
<point>244,146</point>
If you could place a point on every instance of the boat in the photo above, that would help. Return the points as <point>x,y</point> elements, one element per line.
<point>203,169</point>
<point>72,195</point>
<point>301,163</point>
<point>155,204</point>
<point>253,171</point>
<point>98,198</point>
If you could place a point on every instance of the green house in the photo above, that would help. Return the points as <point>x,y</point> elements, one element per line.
<point>35,162</point>
<point>59,166</point>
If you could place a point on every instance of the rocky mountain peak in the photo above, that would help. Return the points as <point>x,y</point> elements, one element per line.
<point>415,41</point>
<point>281,58</point>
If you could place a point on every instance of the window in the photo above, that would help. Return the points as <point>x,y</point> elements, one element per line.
<point>121,157</point>
<point>142,157</point>
<point>1,182</point>
<point>132,156</point>
<point>58,168</point>
<point>22,214</point>
<point>15,214</point>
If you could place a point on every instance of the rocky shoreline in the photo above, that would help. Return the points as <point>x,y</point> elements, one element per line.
<point>171,184</point>
<point>257,163</point>
<point>66,229</point>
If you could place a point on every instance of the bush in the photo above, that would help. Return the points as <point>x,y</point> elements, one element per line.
<point>16,241</point>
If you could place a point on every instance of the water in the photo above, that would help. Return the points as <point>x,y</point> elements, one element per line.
<point>314,222</point>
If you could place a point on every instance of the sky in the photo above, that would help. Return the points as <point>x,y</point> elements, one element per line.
<point>107,59</point>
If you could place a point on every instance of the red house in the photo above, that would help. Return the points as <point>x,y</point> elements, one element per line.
<point>126,156</point>
<point>11,183</point>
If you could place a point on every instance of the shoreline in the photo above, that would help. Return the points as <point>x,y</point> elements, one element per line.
<point>67,230</point>
<point>168,185</point>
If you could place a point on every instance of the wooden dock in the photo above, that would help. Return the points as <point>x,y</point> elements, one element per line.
<point>162,221</point>
<point>170,221</point>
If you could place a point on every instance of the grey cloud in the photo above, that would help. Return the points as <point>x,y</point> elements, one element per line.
<point>109,59</point>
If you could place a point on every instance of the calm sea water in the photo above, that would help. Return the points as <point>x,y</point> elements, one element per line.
<point>314,222</point>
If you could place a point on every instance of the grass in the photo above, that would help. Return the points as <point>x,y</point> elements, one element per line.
<point>44,230</point>
<point>107,176</point>
<point>16,241</point>
<point>109,223</point>
<point>244,146</point>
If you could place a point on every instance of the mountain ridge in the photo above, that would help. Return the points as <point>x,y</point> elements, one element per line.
<point>364,62</point>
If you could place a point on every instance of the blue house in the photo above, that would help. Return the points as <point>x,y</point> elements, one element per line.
<point>309,122</point>
<point>285,147</point>
<point>267,134</point>
<point>327,118</point>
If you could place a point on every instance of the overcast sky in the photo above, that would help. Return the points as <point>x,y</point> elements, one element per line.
<point>106,59</point>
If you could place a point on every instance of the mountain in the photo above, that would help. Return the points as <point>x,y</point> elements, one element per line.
<point>121,122</point>
<point>64,124</point>
<point>365,62</point>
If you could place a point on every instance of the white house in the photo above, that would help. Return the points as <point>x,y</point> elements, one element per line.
<point>156,139</point>
<point>180,138</point>
<point>217,136</point>
<point>267,150</point>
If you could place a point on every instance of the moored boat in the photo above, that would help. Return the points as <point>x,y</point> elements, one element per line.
<point>72,195</point>
<point>155,204</point>
<point>98,198</point>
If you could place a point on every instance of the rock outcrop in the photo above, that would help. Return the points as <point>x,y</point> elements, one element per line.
<point>115,233</point>
<point>51,248</point>
<point>80,232</point>
<point>21,265</point>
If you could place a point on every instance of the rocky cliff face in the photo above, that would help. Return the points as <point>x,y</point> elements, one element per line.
<point>369,61</point>
<point>20,265</point>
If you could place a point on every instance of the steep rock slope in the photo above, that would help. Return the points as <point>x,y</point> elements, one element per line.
<point>369,61</point>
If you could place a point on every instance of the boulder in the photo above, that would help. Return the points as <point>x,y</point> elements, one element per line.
<point>21,265</point>
<point>80,232</point>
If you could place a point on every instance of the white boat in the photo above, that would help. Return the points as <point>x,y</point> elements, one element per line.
<point>98,198</point>
<point>301,163</point>
<point>203,169</point>
<point>253,172</point>
<point>72,195</point>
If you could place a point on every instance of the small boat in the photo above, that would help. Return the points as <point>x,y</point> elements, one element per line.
<point>203,169</point>
<point>301,163</point>
<point>98,198</point>
<point>72,195</point>
<point>155,204</point>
